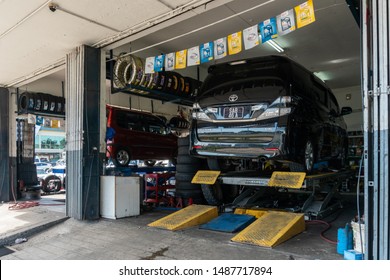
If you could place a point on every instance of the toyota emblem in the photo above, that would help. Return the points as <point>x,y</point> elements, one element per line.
<point>233,98</point>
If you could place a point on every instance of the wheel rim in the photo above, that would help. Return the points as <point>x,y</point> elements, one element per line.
<point>150,162</point>
<point>309,156</point>
<point>123,157</point>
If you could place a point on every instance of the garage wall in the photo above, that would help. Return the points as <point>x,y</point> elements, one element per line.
<point>51,85</point>
<point>355,120</point>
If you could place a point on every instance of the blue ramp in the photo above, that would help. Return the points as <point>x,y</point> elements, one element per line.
<point>229,222</point>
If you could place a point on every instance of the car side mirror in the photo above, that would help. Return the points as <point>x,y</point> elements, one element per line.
<point>346,111</point>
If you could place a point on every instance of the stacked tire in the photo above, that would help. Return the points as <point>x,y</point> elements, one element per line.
<point>129,70</point>
<point>186,168</point>
<point>30,102</point>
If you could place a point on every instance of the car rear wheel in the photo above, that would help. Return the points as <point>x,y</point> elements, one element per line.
<point>309,156</point>
<point>121,158</point>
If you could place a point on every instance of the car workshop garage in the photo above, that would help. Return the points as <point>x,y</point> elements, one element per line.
<point>240,125</point>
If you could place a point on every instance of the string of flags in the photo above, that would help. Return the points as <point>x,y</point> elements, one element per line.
<point>234,43</point>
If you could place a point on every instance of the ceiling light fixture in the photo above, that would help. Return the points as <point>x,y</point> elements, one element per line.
<point>275,46</point>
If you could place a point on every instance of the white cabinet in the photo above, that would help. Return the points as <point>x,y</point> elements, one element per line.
<point>119,196</point>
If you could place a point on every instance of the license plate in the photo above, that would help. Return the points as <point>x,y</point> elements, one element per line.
<point>233,112</point>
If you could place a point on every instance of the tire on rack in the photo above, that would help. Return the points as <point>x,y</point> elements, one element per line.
<point>24,102</point>
<point>46,98</point>
<point>38,102</point>
<point>60,108</point>
<point>53,104</point>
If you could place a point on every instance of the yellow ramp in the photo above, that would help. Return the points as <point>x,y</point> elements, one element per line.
<point>271,229</point>
<point>253,212</point>
<point>190,216</point>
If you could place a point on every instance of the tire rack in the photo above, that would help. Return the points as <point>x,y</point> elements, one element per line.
<point>50,105</point>
<point>146,92</point>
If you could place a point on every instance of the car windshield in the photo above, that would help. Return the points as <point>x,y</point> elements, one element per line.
<point>248,90</point>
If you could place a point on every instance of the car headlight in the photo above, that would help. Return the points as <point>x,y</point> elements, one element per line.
<point>273,113</point>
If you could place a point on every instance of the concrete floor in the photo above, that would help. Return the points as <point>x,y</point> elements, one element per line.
<point>131,238</point>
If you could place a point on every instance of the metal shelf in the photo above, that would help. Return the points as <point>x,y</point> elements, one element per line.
<point>155,94</point>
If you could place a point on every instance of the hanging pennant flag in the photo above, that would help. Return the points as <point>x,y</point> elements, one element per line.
<point>181,59</point>
<point>46,122</point>
<point>149,65</point>
<point>159,63</point>
<point>193,56</point>
<point>206,52</point>
<point>235,43</point>
<point>251,37</point>
<point>55,124</point>
<point>286,22</point>
<point>220,48</point>
<point>170,62</point>
<point>39,120</point>
<point>305,13</point>
<point>31,119</point>
<point>268,29</point>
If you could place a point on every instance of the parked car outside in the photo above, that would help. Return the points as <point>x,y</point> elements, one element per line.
<point>52,179</point>
<point>43,165</point>
<point>267,109</point>
<point>137,135</point>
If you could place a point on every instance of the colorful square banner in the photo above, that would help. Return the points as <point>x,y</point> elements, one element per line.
<point>251,37</point>
<point>159,63</point>
<point>268,30</point>
<point>206,52</point>
<point>235,43</point>
<point>193,56</point>
<point>170,62</point>
<point>181,59</point>
<point>286,22</point>
<point>149,65</point>
<point>305,14</point>
<point>220,48</point>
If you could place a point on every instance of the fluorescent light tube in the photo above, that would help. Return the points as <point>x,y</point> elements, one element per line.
<point>275,46</point>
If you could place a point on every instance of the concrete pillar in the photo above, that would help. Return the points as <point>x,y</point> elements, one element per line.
<point>5,178</point>
<point>83,132</point>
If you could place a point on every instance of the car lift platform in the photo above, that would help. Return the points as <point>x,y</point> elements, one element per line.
<point>130,170</point>
<point>272,226</point>
<point>313,186</point>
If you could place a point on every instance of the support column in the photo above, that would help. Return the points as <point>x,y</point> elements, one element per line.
<point>376,93</point>
<point>83,160</point>
<point>5,178</point>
